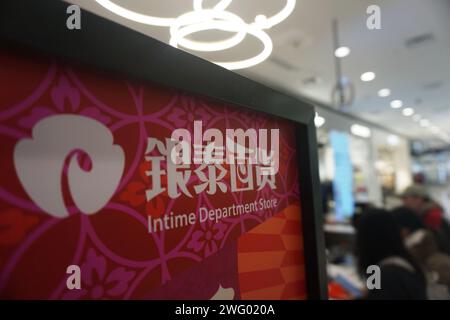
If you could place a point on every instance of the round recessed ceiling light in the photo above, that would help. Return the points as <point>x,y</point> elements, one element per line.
<point>396,104</point>
<point>342,52</point>
<point>361,131</point>
<point>216,18</point>
<point>435,130</point>
<point>393,140</point>
<point>425,123</point>
<point>368,76</point>
<point>444,136</point>
<point>383,93</point>
<point>417,117</point>
<point>407,112</point>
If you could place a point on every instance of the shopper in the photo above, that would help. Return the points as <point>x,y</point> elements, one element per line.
<point>378,242</point>
<point>423,246</point>
<point>417,199</point>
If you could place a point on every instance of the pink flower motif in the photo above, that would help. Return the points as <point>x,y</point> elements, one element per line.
<point>66,99</point>
<point>207,238</point>
<point>96,283</point>
<point>190,110</point>
<point>64,91</point>
<point>134,193</point>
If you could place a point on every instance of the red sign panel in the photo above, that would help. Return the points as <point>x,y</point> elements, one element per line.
<point>92,208</point>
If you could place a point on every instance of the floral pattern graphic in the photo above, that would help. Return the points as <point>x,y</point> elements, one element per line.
<point>135,193</point>
<point>207,238</point>
<point>97,283</point>
<point>188,111</point>
<point>119,258</point>
<point>66,99</point>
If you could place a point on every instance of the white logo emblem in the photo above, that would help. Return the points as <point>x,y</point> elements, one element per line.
<point>39,163</point>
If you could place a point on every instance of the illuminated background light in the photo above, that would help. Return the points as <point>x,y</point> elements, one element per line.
<point>435,130</point>
<point>360,131</point>
<point>368,76</point>
<point>407,112</point>
<point>383,93</point>
<point>342,52</point>
<point>396,104</point>
<point>393,140</point>
<point>425,123</point>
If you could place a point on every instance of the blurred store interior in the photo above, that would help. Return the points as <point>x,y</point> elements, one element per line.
<point>382,99</point>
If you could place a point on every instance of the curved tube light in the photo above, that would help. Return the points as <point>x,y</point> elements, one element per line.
<point>135,16</point>
<point>261,21</point>
<point>241,64</point>
<point>216,18</point>
<point>221,6</point>
<point>210,19</point>
<point>247,63</point>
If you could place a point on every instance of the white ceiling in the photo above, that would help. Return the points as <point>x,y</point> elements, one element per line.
<point>303,48</point>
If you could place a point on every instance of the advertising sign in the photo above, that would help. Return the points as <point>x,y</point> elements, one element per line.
<point>117,189</point>
<point>133,170</point>
<point>343,176</point>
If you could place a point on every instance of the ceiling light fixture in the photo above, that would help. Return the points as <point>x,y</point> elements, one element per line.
<point>424,123</point>
<point>417,117</point>
<point>196,21</point>
<point>134,16</point>
<point>342,52</point>
<point>361,131</point>
<point>319,121</point>
<point>217,18</point>
<point>396,104</point>
<point>444,136</point>
<point>393,140</point>
<point>435,130</point>
<point>368,76</point>
<point>383,93</point>
<point>407,112</point>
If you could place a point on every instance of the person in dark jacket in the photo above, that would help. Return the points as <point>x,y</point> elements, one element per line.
<point>423,246</point>
<point>432,215</point>
<point>379,242</point>
<point>417,199</point>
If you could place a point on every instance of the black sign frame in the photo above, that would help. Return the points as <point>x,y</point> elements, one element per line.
<point>41,25</point>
